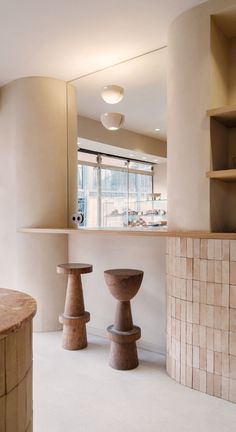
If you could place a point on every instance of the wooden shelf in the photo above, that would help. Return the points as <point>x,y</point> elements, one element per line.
<point>225,115</point>
<point>224,175</point>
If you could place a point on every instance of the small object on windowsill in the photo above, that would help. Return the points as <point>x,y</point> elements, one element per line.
<point>155,196</point>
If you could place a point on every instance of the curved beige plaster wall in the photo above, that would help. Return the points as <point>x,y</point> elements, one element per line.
<point>34,189</point>
<point>189,96</point>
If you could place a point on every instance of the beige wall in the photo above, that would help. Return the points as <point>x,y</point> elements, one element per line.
<point>160,179</point>
<point>33,188</point>
<point>106,251</point>
<point>94,131</point>
<point>189,97</point>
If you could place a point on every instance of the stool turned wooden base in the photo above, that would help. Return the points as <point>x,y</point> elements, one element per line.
<point>74,318</point>
<point>123,285</point>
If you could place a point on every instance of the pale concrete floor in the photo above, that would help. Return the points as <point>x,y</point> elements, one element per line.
<point>76,391</point>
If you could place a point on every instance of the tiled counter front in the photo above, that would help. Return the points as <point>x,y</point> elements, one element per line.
<point>201,314</point>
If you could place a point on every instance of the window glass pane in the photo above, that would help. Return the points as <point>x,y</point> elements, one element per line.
<point>88,195</point>
<point>114,195</point>
<point>141,166</point>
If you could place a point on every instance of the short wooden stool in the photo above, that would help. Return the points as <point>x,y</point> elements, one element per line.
<point>123,285</point>
<point>74,318</point>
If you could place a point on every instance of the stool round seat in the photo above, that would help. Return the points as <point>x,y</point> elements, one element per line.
<point>75,317</point>
<point>74,268</point>
<point>123,285</point>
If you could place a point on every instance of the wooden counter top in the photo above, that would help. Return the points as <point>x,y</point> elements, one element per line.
<point>16,308</point>
<point>149,232</point>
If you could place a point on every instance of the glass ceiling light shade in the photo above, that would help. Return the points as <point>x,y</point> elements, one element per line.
<point>112,121</point>
<point>112,94</point>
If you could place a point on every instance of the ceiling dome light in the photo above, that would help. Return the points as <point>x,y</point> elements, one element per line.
<point>112,94</point>
<point>112,121</point>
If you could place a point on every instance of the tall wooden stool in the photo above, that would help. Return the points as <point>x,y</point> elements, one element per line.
<point>74,318</point>
<point>123,285</point>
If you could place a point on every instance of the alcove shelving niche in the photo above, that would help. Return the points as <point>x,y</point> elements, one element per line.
<point>222,115</point>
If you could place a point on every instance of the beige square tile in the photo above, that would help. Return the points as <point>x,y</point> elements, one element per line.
<point>225,272</point>
<point>217,385</point>
<point>225,342</point>
<point>233,320</point>
<point>203,358</point>
<point>217,340</point>
<point>210,338</point>
<point>232,367</point>
<point>183,247</point>
<point>210,249</point>
<point>203,314</point>
<point>183,267</point>
<point>189,376</point>
<point>203,270</point>
<point>189,247</point>
<point>218,250</point>
<point>203,381</point>
<point>173,321</point>
<point>210,384</point>
<point>196,248</point>
<point>173,348</point>
<point>177,330</point>
<point>189,333</point>
<point>203,249</point>
<point>232,390</point>
<point>196,357</point>
<point>183,289</point>
<point>210,361</point>
<point>189,290</point>
<point>218,363</point>
<point>232,272</point>
<point>196,335</point>
<point>210,293</point>
<point>210,316</point>
<point>176,288</point>
<point>202,336</point>
<point>225,248</point>
<point>177,308</point>
<point>183,373</point>
<point>196,379</point>
<point>225,365</point>
<point>196,313</point>
<point>173,307</point>
<point>196,291</point>
<point>225,318</point>
<point>196,268</point>
<point>225,295</point>
<point>177,350</point>
<point>183,310</point>
<point>232,250</point>
<point>218,271</point>
<point>233,296</point>
<point>232,343</point>
<point>183,332</point>
<point>217,318</point>
<point>183,353</point>
<point>173,368</point>
<point>189,268</point>
<point>189,353</point>
<point>217,294</point>
<point>203,292</point>
<point>210,271</point>
<point>189,312</point>
<point>225,388</point>
<point>177,246</point>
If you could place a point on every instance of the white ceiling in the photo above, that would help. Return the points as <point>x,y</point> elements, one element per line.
<point>68,38</point>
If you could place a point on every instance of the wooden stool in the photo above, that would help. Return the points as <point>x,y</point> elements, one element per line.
<point>74,318</point>
<point>123,285</point>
